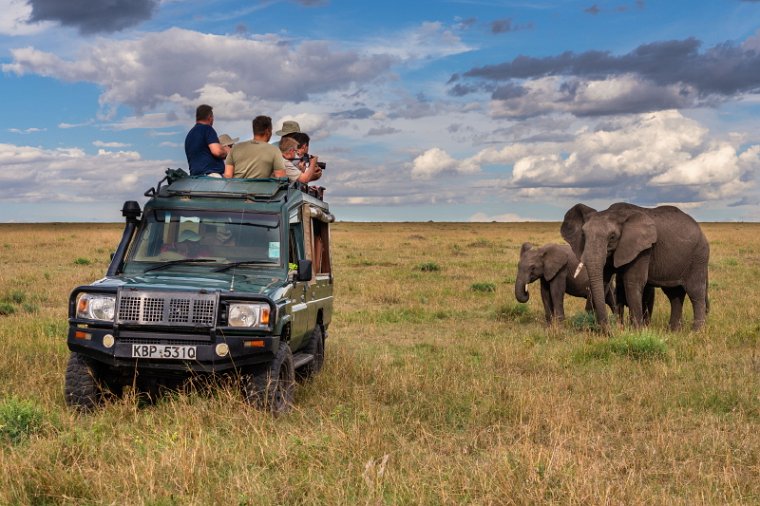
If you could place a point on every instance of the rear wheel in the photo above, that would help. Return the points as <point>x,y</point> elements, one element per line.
<point>273,390</point>
<point>83,389</point>
<point>316,347</point>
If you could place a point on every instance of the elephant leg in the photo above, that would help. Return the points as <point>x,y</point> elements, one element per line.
<point>634,280</point>
<point>557,287</point>
<point>697,293</point>
<point>648,303</point>
<point>676,295</point>
<point>620,300</point>
<point>610,299</point>
<point>546,298</point>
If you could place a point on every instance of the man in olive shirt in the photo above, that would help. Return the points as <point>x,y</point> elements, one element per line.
<point>255,159</point>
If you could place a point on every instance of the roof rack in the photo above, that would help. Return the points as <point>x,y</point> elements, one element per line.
<point>179,183</point>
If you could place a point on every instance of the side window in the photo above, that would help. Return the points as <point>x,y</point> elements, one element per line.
<point>321,235</point>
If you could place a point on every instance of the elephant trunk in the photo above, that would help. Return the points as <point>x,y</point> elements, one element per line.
<point>521,289</point>
<point>596,285</point>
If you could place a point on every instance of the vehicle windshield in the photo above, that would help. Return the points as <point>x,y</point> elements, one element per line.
<point>170,238</point>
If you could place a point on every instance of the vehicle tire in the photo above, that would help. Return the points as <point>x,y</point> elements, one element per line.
<point>273,390</point>
<point>82,388</point>
<point>315,347</point>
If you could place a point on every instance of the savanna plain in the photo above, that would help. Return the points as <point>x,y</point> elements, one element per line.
<point>438,388</point>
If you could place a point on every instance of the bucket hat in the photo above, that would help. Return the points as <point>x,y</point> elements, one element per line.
<point>288,127</point>
<point>226,140</point>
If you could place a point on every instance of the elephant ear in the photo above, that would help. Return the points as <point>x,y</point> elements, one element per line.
<point>572,226</point>
<point>554,260</point>
<point>637,234</point>
<point>525,247</point>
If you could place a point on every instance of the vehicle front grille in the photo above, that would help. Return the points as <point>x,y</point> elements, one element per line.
<point>179,342</point>
<point>167,308</point>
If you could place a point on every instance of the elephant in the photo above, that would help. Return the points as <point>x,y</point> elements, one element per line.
<point>661,246</point>
<point>647,303</point>
<point>554,264</point>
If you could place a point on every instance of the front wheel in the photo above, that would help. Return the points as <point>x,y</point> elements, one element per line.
<point>274,389</point>
<point>82,389</point>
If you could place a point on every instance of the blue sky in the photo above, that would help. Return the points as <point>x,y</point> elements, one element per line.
<point>468,110</point>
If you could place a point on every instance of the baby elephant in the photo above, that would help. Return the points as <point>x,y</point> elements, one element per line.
<point>555,265</point>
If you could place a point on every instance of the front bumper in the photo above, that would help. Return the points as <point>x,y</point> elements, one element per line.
<point>89,341</point>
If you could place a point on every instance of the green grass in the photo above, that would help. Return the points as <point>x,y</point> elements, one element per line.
<point>428,267</point>
<point>483,287</point>
<point>644,345</point>
<point>433,391</point>
<point>19,419</point>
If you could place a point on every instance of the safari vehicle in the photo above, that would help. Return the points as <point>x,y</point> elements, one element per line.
<point>215,277</point>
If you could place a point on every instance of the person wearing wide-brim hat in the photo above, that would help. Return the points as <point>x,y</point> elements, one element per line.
<point>226,141</point>
<point>288,127</point>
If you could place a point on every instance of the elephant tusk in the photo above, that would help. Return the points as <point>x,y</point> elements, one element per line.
<point>526,287</point>
<point>578,270</point>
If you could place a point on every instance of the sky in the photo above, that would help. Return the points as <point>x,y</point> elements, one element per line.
<point>460,110</point>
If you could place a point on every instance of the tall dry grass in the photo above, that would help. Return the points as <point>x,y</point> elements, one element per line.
<point>436,390</point>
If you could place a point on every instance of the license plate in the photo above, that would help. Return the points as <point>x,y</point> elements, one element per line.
<point>165,351</point>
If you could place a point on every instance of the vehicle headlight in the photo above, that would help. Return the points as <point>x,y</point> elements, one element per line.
<point>248,315</point>
<point>95,306</point>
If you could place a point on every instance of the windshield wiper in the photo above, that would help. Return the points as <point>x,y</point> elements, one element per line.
<point>180,261</point>
<point>244,262</point>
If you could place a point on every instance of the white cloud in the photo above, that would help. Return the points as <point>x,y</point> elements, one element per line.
<point>433,162</point>
<point>25,131</point>
<point>102,144</point>
<point>429,40</point>
<point>614,95</point>
<point>15,19</point>
<point>152,70</point>
<point>70,175</point>
<point>506,218</point>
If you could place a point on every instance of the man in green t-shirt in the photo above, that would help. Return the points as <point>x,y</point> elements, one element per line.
<point>255,159</point>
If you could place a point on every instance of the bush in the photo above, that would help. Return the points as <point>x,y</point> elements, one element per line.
<point>513,313</point>
<point>15,296</point>
<point>19,419</point>
<point>6,309</point>
<point>428,267</point>
<point>82,261</point>
<point>645,345</point>
<point>483,287</point>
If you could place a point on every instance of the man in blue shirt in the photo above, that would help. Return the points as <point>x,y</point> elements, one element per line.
<point>205,156</point>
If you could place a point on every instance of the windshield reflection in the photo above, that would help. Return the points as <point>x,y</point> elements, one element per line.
<point>182,237</point>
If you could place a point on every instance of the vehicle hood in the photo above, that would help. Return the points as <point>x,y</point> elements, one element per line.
<point>253,284</point>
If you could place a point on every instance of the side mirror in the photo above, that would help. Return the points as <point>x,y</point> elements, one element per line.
<point>131,211</point>
<point>304,270</point>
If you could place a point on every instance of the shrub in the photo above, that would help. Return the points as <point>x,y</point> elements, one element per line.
<point>483,287</point>
<point>15,296</point>
<point>82,261</point>
<point>19,419</point>
<point>513,313</point>
<point>428,267</point>
<point>645,345</point>
<point>6,309</point>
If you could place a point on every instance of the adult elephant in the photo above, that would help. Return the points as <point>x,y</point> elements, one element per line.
<point>554,265</point>
<point>662,247</point>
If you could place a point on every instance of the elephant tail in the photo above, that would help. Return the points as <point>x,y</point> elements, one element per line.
<point>707,298</point>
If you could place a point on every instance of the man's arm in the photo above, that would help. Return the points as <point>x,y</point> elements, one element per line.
<point>312,172</point>
<point>278,167</point>
<point>229,170</point>
<point>217,150</point>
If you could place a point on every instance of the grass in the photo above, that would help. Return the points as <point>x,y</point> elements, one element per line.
<point>433,392</point>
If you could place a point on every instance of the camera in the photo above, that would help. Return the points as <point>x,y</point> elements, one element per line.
<point>322,165</point>
<point>306,158</point>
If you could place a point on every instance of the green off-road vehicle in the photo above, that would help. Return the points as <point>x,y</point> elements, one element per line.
<point>215,278</point>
